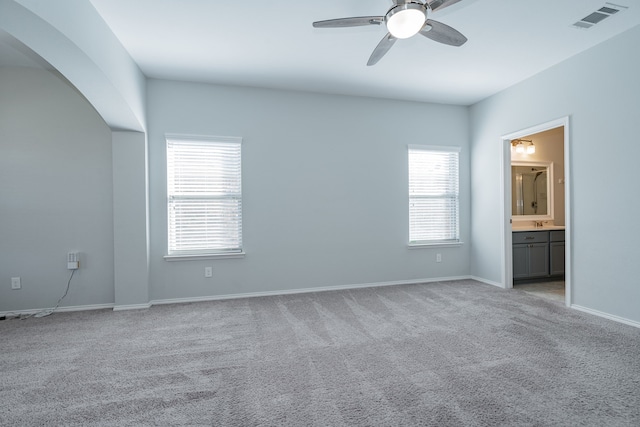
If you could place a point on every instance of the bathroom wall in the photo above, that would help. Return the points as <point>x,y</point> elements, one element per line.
<point>549,148</point>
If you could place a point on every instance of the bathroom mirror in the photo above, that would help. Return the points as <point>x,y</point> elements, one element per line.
<point>531,191</point>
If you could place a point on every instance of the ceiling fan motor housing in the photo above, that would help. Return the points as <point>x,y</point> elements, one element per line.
<point>405,19</point>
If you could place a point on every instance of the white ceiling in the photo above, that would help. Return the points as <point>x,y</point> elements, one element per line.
<point>273,44</point>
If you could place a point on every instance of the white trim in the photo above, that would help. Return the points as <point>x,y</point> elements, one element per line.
<point>16,313</point>
<point>194,137</point>
<point>171,140</point>
<point>568,218</point>
<point>606,315</point>
<point>505,187</point>
<point>505,216</point>
<point>449,148</point>
<point>450,151</point>
<point>486,281</point>
<point>552,124</point>
<point>433,245</point>
<point>305,290</point>
<point>550,216</point>
<point>132,306</point>
<point>84,307</point>
<point>204,256</point>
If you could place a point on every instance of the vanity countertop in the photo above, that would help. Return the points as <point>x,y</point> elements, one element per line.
<point>534,228</point>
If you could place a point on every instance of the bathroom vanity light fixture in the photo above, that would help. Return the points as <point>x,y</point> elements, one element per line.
<point>531,149</point>
<point>521,148</point>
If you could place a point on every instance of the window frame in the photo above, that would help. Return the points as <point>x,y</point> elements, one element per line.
<point>207,253</point>
<point>456,241</point>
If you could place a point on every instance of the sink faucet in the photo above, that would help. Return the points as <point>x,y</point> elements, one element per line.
<point>539,224</point>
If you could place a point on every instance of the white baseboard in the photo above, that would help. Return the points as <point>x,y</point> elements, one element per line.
<point>488,282</point>
<point>16,313</point>
<point>606,315</point>
<point>305,290</point>
<point>132,307</point>
<point>246,295</point>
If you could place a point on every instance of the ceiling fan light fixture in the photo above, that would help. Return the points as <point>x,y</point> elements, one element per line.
<point>406,20</point>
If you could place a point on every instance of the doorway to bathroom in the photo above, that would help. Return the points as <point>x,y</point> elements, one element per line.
<point>536,209</point>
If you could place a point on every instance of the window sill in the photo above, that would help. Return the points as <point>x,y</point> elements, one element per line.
<point>203,256</point>
<point>433,245</point>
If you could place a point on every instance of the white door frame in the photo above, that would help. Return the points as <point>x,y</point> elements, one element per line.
<point>505,186</point>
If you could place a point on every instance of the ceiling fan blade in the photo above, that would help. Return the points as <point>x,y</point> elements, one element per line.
<point>442,33</point>
<point>382,48</point>
<point>440,4</point>
<point>357,21</point>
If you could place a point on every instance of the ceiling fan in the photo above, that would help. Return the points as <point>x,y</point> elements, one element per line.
<point>404,19</point>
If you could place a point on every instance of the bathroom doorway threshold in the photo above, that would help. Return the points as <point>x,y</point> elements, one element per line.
<point>553,290</point>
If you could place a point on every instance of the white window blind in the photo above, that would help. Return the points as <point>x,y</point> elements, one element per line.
<point>433,195</point>
<point>204,195</point>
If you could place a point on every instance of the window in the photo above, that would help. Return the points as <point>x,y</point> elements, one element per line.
<point>204,195</point>
<point>433,195</point>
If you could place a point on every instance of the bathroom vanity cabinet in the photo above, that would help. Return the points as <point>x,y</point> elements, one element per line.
<point>538,254</point>
<point>556,253</point>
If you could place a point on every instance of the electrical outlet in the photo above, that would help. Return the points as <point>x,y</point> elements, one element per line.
<point>15,283</point>
<point>73,261</point>
<point>208,272</point>
<point>438,257</point>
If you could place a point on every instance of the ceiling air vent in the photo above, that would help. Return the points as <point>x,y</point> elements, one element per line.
<point>599,15</point>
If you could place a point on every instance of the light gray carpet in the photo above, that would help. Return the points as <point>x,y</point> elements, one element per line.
<point>441,354</point>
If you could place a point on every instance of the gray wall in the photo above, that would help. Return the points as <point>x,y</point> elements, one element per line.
<point>324,184</point>
<point>325,198</point>
<point>55,193</point>
<point>325,191</point>
<point>599,89</point>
